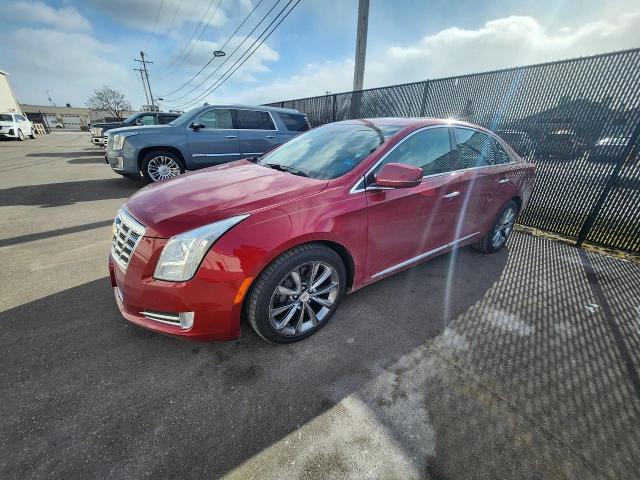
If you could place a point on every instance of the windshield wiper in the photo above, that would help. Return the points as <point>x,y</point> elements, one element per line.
<point>284,168</point>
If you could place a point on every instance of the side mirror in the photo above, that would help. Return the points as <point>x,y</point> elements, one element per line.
<point>398,175</point>
<point>197,126</point>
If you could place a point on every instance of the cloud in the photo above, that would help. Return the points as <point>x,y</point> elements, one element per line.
<point>500,43</point>
<point>57,61</point>
<point>141,14</point>
<point>65,18</point>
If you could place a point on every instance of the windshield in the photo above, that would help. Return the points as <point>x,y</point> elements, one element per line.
<point>329,151</point>
<point>5,118</point>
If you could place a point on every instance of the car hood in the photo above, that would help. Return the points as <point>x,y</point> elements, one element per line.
<point>7,124</point>
<point>205,196</point>
<point>110,124</point>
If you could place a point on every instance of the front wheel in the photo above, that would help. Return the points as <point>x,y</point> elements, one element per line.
<point>297,294</point>
<point>160,165</point>
<point>20,136</point>
<point>501,230</point>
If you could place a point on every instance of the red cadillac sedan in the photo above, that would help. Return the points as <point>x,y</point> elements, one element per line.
<point>281,238</point>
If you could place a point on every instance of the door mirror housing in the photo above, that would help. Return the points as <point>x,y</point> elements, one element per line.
<point>197,126</point>
<point>398,175</point>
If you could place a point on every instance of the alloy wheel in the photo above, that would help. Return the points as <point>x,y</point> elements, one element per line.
<point>303,298</point>
<point>162,167</point>
<point>503,228</point>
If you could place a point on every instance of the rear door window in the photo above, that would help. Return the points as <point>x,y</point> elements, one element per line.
<point>295,122</point>
<point>475,149</point>
<point>254,120</point>
<point>218,118</point>
<point>502,156</point>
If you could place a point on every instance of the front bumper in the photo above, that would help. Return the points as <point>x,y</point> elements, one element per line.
<point>123,161</point>
<point>213,297</point>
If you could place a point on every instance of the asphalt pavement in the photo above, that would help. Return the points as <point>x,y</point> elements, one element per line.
<point>523,364</point>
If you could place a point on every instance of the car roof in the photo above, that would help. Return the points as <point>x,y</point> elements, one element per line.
<point>254,107</point>
<point>416,122</point>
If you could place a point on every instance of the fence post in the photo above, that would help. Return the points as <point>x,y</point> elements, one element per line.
<point>423,105</point>
<point>612,182</point>
<point>334,107</point>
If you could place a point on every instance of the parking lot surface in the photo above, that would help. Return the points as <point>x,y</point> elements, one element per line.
<point>523,364</point>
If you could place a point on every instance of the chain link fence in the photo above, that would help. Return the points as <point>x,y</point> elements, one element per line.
<point>578,120</point>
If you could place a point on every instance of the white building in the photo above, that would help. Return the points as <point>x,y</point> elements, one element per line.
<point>8,102</point>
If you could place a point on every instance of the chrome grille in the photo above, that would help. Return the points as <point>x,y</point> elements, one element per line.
<point>127,232</point>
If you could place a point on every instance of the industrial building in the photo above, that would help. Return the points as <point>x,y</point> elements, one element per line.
<point>8,102</point>
<point>67,117</point>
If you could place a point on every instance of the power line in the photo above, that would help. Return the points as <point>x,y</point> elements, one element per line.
<point>221,81</point>
<point>146,74</point>
<point>155,24</point>
<point>180,58</point>
<point>228,58</point>
<point>221,48</point>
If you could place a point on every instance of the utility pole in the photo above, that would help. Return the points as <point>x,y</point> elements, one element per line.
<point>146,75</point>
<point>144,85</point>
<point>361,44</point>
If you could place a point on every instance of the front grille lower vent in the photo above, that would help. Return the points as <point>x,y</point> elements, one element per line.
<point>127,232</point>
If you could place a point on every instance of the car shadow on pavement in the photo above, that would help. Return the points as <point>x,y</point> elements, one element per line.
<point>86,161</point>
<point>475,366</point>
<point>67,193</point>
<point>116,398</point>
<point>84,153</point>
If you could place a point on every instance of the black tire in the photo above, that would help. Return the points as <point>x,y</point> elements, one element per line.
<point>20,136</point>
<point>257,306</point>
<point>32,135</point>
<point>485,244</point>
<point>144,165</point>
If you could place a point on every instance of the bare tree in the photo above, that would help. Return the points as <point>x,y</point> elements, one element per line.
<point>109,100</point>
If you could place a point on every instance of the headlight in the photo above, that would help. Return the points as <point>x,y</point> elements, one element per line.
<point>98,132</point>
<point>182,255</point>
<point>119,138</point>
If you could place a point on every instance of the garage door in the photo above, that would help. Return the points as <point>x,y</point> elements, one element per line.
<point>51,120</point>
<point>71,121</point>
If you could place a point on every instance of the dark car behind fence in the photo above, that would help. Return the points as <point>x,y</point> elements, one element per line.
<point>578,120</point>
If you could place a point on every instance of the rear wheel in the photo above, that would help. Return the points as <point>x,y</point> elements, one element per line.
<point>161,165</point>
<point>32,135</point>
<point>501,230</point>
<point>297,294</point>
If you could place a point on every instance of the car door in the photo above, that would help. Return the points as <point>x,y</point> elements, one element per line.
<point>256,131</point>
<point>485,177</point>
<point>215,141</point>
<point>407,223</point>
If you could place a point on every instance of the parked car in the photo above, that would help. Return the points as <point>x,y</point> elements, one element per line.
<point>99,130</point>
<point>520,141</point>
<point>202,137</point>
<point>279,239</point>
<point>609,149</point>
<point>15,125</point>
<point>561,144</point>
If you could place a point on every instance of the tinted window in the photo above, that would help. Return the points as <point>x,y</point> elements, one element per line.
<point>428,149</point>
<point>21,118</point>
<point>251,119</point>
<point>164,119</point>
<point>5,118</point>
<point>331,150</point>
<point>501,155</point>
<point>219,118</point>
<point>475,149</point>
<point>295,122</point>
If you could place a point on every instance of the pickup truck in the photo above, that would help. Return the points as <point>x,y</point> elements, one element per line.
<point>98,130</point>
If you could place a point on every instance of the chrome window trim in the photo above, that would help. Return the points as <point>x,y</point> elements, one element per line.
<point>195,155</point>
<point>421,256</point>
<point>237,129</point>
<point>357,188</point>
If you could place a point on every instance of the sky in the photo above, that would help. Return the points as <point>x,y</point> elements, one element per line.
<point>69,48</point>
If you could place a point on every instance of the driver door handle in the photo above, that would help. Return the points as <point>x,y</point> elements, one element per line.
<point>504,180</point>
<point>269,136</point>
<point>230,136</point>
<point>452,194</point>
